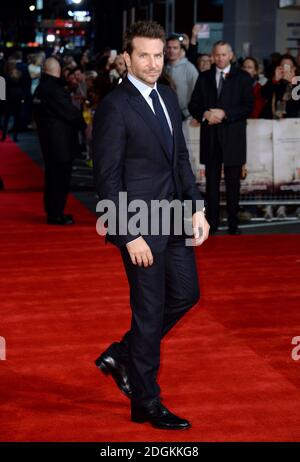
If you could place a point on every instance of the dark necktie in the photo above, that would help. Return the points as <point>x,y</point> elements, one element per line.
<point>159,112</point>
<point>221,81</point>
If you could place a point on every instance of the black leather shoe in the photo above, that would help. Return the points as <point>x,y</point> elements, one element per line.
<point>119,372</point>
<point>158,415</point>
<point>234,230</point>
<point>61,220</point>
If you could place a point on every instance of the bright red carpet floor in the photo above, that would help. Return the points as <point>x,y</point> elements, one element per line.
<point>227,366</point>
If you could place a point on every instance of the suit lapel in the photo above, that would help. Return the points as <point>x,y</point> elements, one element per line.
<point>226,84</point>
<point>138,103</point>
<point>213,80</point>
<point>172,115</point>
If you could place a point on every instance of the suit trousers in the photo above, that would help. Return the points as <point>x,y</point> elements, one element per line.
<point>213,170</point>
<point>11,110</point>
<point>159,296</point>
<point>56,188</point>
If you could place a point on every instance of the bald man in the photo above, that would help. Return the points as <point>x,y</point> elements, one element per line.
<point>222,101</point>
<point>58,123</point>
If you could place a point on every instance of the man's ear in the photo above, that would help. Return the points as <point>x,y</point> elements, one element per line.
<point>127,59</point>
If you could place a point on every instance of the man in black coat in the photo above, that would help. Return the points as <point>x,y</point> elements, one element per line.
<point>58,123</point>
<point>139,149</point>
<point>222,100</point>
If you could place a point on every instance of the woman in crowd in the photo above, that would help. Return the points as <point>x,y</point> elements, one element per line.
<point>251,66</point>
<point>15,95</point>
<point>278,91</point>
<point>35,62</point>
<point>84,61</point>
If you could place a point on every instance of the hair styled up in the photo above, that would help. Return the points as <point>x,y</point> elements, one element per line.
<point>145,29</point>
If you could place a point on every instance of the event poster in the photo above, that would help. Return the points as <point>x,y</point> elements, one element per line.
<point>259,157</point>
<point>192,137</point>
<point>273,156</point>
<point>286,147</point>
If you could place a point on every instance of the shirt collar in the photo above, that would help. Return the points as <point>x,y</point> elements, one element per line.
<point>143,88</point>
<point>225,71</point>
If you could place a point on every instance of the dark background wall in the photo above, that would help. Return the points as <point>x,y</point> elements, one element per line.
<point>109,16</point>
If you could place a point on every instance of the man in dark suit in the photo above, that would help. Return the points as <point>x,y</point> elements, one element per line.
<point>58,123</point>
<point>222,100</point>
<point>139,149</point>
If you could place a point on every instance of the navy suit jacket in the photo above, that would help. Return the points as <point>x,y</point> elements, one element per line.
<point>130,154</point>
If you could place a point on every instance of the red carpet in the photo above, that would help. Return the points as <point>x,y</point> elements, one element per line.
<point>227,366</point>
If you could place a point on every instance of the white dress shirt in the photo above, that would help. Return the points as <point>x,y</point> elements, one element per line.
<point>145,90</point>
<point>218,73</point>
<point>218,76</point>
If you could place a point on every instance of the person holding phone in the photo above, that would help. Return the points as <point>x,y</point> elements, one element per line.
<point>251,66</point>
<point>118,73</point>
<point>278,91</point>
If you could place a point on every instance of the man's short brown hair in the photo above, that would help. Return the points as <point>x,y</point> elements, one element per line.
<point>146,29</point>
<point>221,43</point>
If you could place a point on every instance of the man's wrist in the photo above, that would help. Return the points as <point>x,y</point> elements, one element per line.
<point>203,210</point>
<point>133,240</point>
<point>205,114</point>
<point>199,208</point>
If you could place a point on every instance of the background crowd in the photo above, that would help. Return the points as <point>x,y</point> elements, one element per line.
<point>87,77</point>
